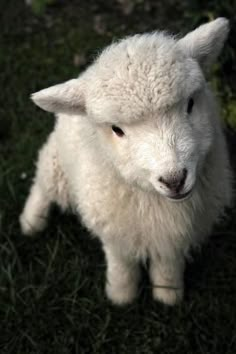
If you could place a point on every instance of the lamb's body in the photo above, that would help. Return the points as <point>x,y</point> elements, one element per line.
<point>133,221</point>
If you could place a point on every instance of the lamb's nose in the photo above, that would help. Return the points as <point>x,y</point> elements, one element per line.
<point>175,181</point>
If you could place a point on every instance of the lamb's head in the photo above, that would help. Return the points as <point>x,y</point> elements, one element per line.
<point>149,105</point>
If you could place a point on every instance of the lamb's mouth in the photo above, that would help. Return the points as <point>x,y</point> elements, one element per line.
<point>180,197</point>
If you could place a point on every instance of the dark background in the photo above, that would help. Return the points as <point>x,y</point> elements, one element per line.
<point>52,287</point>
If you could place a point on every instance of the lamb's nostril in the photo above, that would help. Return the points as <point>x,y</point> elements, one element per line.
<point>175,181</point>
<point>183,178</point>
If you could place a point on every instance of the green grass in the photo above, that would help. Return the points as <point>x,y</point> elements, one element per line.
<point>52,287</point>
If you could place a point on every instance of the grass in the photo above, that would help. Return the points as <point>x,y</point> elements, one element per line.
<point>52,287</point>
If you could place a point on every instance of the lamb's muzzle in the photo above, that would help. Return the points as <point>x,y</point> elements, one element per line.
<point>175,181</point>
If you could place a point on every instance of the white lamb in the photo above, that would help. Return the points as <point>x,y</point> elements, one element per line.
<point>138,151</point>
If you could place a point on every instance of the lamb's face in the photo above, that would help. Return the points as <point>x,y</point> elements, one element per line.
<point>166,150</point>
<point>147,99</point>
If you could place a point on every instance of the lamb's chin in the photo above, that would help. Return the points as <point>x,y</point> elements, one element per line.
<point>180,197</point>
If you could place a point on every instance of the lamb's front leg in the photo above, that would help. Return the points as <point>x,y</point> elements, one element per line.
<point>166,275</point>
<point>123,275</point>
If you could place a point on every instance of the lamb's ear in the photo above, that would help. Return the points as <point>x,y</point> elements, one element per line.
<point>62,98</point>
<point>205,42</point>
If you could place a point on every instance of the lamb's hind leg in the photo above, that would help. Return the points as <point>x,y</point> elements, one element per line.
<point>34,216</point>
<point>49,186</point>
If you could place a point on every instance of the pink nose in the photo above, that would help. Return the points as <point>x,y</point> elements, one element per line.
<point>175,181</point>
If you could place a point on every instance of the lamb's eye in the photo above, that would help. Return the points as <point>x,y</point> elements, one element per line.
<point>117,130</point>
<point>190,105</point>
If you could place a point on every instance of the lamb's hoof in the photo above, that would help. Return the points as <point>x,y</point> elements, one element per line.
<point>121,295</point>
<point>168,296</point>
<point>35,225</point>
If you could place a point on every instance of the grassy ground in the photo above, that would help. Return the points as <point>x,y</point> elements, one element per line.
<point>51,287</point>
